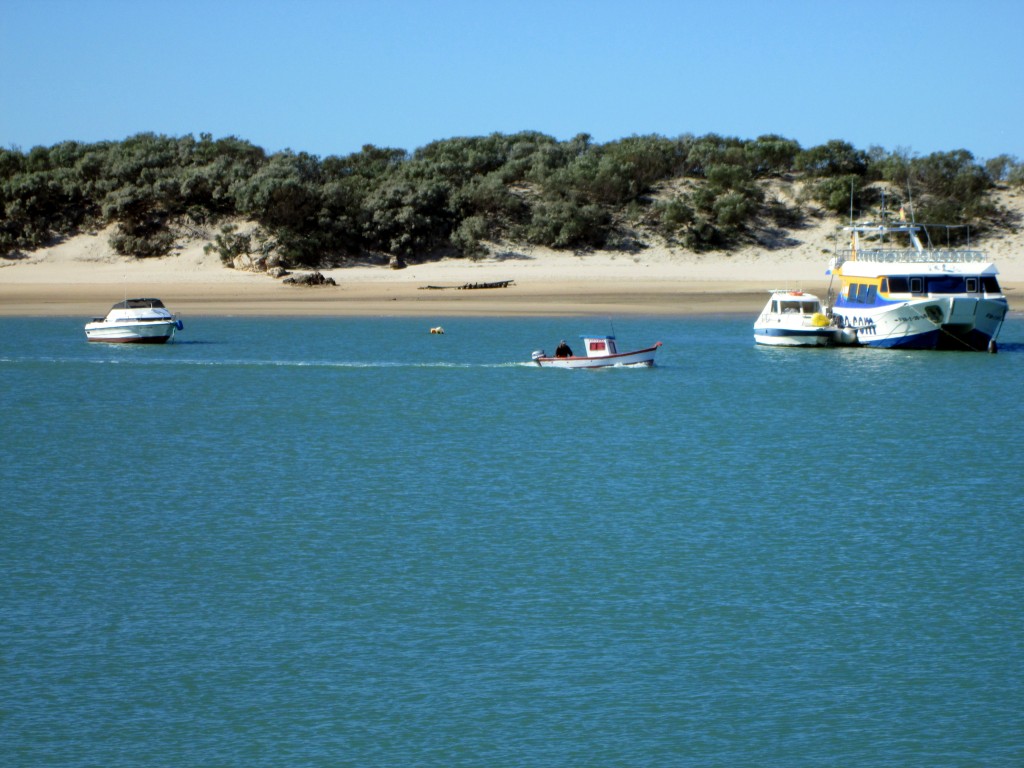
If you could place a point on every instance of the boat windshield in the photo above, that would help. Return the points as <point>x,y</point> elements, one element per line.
<point>139,304</point>
<point>801,307</point>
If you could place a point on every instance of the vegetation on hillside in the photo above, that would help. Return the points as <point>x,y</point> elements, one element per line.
<point>451,197</point>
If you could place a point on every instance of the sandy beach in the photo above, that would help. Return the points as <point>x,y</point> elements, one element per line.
<point>83,277</point>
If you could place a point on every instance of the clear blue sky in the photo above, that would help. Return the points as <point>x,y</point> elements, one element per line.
<point>328,77</point>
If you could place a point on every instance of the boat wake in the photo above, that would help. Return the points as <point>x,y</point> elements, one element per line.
<point>257,363</point>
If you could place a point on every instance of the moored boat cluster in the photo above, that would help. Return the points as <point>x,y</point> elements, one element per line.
<point>889,296</point>
<point>893,297</point>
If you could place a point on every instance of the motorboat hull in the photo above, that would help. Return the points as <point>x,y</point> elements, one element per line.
<point>151,332</point>
<point>795,337</point>
<point>952,323</point>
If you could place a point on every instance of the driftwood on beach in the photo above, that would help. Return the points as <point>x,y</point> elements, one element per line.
<point>497,284</point>
<point>469,286</point>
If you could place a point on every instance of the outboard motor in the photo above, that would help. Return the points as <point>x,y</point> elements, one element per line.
<point>537,354</point>
<point>848,336</point>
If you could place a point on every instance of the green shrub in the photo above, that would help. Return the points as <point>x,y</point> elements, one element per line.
<point>468,235</point>
<point>834,158</point>
<point>563,224</point>
<point>142,242</point>
<point>837,193</point>
<point>228,244</point>
<point>1015,176</point>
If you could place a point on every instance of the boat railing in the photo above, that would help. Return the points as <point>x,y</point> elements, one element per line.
<point>894,255</point>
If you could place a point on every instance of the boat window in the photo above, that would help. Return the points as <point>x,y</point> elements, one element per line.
<point>885,285</point>
<point>862,293</point>
<point>946,284</point>
<point>775,306</point>
<point>917,285</point>
<point>990,284</point>
<point>791,306</point>
<point>971,285</point>
<point>597,346</point>
<point>810,307</point>
<point>872,294</point>
<point>898,285</point>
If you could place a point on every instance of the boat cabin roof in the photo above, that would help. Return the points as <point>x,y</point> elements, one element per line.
<point>860,268</point>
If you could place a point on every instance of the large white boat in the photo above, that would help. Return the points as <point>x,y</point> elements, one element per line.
<point>906,296</point>
<point>601,353</point>
<point>134,321</point>
<point>794,319</point>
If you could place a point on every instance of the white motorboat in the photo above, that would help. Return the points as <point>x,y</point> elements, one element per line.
<point>134,321</point>
<point>899,297</point>
<point>602,352</point>
<point>794,319</point>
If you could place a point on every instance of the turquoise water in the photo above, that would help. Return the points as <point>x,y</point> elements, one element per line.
<point>325,542</point>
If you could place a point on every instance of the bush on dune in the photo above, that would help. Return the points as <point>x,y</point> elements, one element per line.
<point>451,196</point>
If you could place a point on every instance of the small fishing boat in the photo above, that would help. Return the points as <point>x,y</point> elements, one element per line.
<point>794,319</point>
<point>134,321</point>
<point>602,352</point>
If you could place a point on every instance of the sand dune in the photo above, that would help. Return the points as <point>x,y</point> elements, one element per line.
<point>82,276</point>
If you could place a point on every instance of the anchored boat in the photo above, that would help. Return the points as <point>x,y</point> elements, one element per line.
<point>134,321</point>
<point>602,352</point>
<point>794,319</point>
<point>912,297</point>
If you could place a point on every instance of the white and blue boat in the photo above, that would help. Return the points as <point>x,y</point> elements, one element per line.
<point>134,321</point>
<point>895,293</point>
<point>794,319</point>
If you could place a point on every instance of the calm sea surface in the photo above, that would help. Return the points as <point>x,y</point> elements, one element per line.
<point>346,542</point>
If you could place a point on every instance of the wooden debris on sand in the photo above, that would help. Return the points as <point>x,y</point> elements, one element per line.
<point>497,284</point>
<point>469,286</point>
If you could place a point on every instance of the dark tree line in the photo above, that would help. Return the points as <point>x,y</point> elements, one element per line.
<point>451,196</point>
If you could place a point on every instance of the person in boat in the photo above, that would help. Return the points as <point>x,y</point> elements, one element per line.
<point>563,350</point>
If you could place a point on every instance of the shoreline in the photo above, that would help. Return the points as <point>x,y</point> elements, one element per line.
<point>555,298</point>
<point>82,277</point>
<point>533,299</point>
